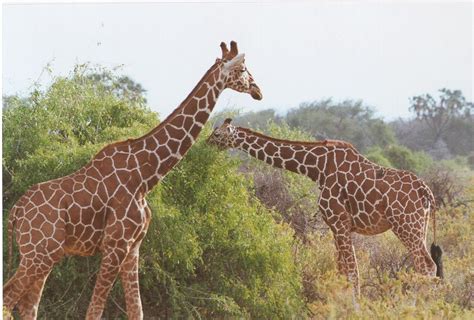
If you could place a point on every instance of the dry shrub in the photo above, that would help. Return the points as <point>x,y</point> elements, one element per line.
<point>390,288</point>
<point>316,258</point>
<point>380,257</point>
<point>296,206</point>
<point>447,185</point>
<point>272,191</point>
<point>336,298</point>
<point>6,314</point>
<point>455,226</point>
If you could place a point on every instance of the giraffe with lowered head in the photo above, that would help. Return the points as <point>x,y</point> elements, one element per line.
<point>101,208</point>
<point>356,195</point>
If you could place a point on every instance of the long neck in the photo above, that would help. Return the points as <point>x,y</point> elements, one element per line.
<point>166,144</point>
<point>311,159</point>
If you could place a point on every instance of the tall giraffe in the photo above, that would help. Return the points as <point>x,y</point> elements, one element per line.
<point>102,207</point>
<point>356,195</point>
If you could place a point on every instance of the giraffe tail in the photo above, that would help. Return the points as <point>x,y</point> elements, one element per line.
<point>11,226</point>
<point>436,251</point>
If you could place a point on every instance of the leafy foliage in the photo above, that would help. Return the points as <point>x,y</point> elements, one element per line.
<point>227,249</point>
<point>69,121</point>
<point>377,155</point>
<point>400,157</point>
<point>230,236</point>
<point>349,120</point>
<point>211,251</point>
<point>386,269</point>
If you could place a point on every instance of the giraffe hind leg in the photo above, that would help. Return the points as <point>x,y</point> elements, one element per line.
<point>39,253</point>
<point>28,304</point>
<point>25,287</point>
<point>414,241</point>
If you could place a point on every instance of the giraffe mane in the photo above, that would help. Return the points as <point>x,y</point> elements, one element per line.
<point>176,112</point>
<point>324,143</point>
<point>113,145</point>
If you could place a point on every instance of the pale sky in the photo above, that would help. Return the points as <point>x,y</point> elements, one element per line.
<point>382,53</point>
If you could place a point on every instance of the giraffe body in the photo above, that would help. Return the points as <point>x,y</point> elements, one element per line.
<point>356,195</point>
<point>101,208</point>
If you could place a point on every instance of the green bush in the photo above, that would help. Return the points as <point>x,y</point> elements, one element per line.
<point>218,245</point>
<point>211,250</point>
<point>376,155</point>
<point>400,157</point>
<point>348,120</point>
<point>75,116</point>
<point>403,158</point>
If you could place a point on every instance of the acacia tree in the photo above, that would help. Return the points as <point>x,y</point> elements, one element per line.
<point>437,114</point>
<point>348,120</point>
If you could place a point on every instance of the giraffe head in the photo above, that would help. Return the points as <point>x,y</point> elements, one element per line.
<point>223,136</point>
<point>238,77</point>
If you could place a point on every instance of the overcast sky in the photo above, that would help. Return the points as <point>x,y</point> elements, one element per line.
<point>382,53</point>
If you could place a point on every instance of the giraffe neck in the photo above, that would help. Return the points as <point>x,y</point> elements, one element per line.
<point>316,160</point>
<point>162,148</point>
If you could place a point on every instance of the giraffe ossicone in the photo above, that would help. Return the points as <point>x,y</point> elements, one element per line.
<point>356,195</point>
<point>101,208</point>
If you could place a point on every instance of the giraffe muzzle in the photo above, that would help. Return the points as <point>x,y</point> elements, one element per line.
<point>255,92</point>
<point>219,145</point>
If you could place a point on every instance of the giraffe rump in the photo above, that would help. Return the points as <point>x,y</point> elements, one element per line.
<point>11,226</point>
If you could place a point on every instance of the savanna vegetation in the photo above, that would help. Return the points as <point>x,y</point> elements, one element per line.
<point>234,238</point>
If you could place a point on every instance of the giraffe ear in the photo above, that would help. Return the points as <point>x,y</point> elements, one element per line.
<point>227,121</point>
<point>235,62</point>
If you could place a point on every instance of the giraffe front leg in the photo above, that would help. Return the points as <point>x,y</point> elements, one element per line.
<point>347,261</point>
<point>338,219</point>
<point>340,262</point>
<point>120,255</point>
<point>130,283</point>
<point>129,270</point>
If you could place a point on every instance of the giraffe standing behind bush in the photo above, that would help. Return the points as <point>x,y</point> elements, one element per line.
<point>102,207</point>
<point>357,195</point>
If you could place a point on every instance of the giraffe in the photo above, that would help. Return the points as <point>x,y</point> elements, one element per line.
<point>356,195</point>
<point>101,208</point>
